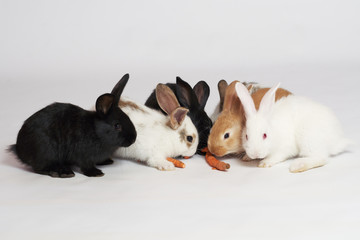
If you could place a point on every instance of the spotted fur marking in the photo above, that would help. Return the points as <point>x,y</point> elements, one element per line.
<point>183,137</point>
<point>130,105</point>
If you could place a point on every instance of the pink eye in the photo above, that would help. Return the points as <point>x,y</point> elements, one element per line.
<point>264,136</point>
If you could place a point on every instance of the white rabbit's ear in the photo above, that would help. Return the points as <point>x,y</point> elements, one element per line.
<point>166,98</point>
<point>245,98</point>
<point>177,117</point>
<point>268,100</point>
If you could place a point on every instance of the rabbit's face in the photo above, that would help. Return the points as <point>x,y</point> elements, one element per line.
<point>117,128</point>
<point>225,136</point>
<point>256,137</point>
<point>189,138</point>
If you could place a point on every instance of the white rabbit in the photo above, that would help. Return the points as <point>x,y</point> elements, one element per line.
<point>159,136</point>
<point>292,127</point>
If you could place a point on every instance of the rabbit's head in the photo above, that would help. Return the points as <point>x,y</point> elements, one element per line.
<point>113,126</point>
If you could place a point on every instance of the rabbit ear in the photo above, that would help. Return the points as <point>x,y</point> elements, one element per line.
<point>186,94</point>
<point>222,85</point>
<point>202,92</point>
<point>231,100</point>
<point>177,117</point>
<point>104,103</point>
<point>269,99</point>
<point>119,87</point>
<point>166,98</point>
<point>245,98</point>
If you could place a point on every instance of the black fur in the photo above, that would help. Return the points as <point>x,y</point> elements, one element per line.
<point>193,99</point>
<point>62,135</point>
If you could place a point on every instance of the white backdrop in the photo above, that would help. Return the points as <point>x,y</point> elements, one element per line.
<point>73,51</point>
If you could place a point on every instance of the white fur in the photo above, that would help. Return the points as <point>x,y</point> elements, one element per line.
<point>296,127</point>
<point>155,140</point>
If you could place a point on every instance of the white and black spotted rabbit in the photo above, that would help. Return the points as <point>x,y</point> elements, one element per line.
<point>160,136</point>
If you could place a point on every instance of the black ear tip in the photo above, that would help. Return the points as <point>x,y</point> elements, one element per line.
<point>179,80</point>
<point>204,83</point>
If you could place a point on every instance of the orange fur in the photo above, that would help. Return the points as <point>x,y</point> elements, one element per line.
<point>228,120</point>
<point>259,94</point>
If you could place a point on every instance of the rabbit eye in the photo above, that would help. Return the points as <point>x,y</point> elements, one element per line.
<point>227,135</point>
<point>264,136</point>
<point>246,136</point>
<point>189,138</point>
<point>118,126</point>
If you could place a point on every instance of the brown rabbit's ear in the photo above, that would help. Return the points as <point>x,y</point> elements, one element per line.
<point>177,117</point>
<point>166,98</point>
<point>222,85</point>
<point>104,103</point>
<point>231,100</point>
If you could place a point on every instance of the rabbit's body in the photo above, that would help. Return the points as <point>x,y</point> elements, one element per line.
<point>305,129</point>
<point>156,139</point>
<point>62,135</point>
<point>292,127</point>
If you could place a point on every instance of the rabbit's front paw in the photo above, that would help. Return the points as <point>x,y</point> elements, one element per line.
<point>266,163</point>
<point>246,158</point>
<point>298,166</point>
<point>162,165</point>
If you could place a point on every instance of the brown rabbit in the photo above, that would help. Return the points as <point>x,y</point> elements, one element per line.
<point>225,135</point>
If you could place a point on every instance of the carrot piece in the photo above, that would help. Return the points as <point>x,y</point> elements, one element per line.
<point>213,162</point>
<point>177,163</point>
<point>186,157</point>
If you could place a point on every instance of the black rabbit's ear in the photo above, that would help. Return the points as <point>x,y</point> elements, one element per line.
<point>202,92</point>
<point>104,103</point>
<point>119,87</point>
<point>185,94</point>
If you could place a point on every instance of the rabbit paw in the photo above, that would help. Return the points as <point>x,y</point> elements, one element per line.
<point>92,172</point>
<point>298,166</point>
<point>266,163</point>
<point>162,165</point>
<point>246,158</point>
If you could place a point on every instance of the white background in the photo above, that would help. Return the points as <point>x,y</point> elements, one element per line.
<point>73,51</point>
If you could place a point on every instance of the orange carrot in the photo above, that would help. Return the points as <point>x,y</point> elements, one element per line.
<point>213,162</point>
<point>177,163</point>
<point>186,157</point>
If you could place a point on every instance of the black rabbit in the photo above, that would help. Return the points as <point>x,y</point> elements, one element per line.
<point>63,135</point>
<point>193,99</point>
